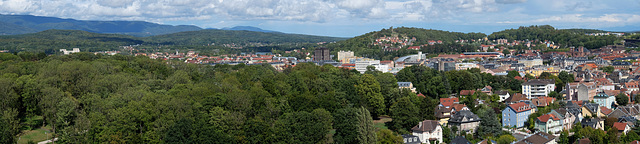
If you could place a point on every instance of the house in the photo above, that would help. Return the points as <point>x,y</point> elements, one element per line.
<point>516,98</point>
<point>632,110</point>
<point>583,141</point>
<point>516,114</point>
<point>465,120</point>
<point>605,110</point>
<point>622,127</point>
<point>635,142</point>
<point>549,123</point>
<point>504,95</point>
<point>592,110</point>
<point>595,123</point>
<point>487,90</point>
<point>487,141</point>
<point>444,110</point>
<point>467,92</point>
<point>575,108</point>
<point>410,139</point>
<point>581,91</point>
<point>542,101</point>
<point>567,117</point>
<point>428,131</point>
<point>538,87</point>
<point>406,85</point>
<point>605,98</point>
<point>459,140</point>
<point>539,138</point>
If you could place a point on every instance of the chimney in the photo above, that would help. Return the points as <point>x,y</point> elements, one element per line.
<point>419,124</point>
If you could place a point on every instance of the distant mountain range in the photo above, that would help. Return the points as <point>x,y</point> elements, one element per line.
<point>23,24</point>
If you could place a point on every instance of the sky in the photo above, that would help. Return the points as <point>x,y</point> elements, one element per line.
<point>347,18</point>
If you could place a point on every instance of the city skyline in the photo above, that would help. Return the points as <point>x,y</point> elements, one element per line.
<point>348,18</point>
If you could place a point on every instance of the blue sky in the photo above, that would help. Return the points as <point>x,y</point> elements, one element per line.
<point>347,18</point>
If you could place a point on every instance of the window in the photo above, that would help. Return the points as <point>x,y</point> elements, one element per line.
<point>415,139</point>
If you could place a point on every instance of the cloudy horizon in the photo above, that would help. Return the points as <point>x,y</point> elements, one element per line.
<point>347,18</point>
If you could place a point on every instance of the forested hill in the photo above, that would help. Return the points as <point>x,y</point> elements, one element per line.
<point>566,38</point>
<point>210,36</point>
<point>30,24</point>
<point>52,40</point>
<point>363,45</point>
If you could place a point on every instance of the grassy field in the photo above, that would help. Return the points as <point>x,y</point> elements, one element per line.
<point>36,135</point>
<point>379,124</point>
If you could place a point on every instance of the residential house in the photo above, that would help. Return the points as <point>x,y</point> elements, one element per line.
<point>538,87</point>
<point>487,90</point>
<point>581,91</point>
<point>428,131</point>
<point>583,141</point>
<point>622,127</point>
<point>549,123</point>
<point>516,114</point>
<point>606,98</point>
<point>465,120</point>
<point>539,138</point>
<point>542,101</point>
<point>410,139</point>
<point>516,98</point>
<point>467,92</point>
<point>605,110</point>
<point>406,85</point>
<point>593,122</point>
<point>575,108</point>
<point>631,110</point>
<point>444,110</point>
<point>459,140</point>
<point>592,110</point>
<point>503,95</point>
<point>567,117</point>
<point>487,141</point>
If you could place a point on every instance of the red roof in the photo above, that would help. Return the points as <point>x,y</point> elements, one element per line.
<point>458,107</point>
<point>467,92</point>
<point>520,107</point>
<point>605,110</point>
<point>620,126</point>
<point>414,47</point>
<point>448,101</point>
<point>421,95</point>
<point>545,118</point>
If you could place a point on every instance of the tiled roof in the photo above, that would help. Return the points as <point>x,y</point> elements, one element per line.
<point>620,126</point>
<point>546,117</point>
<point>538,138</point>
<point>458,107</point>
<point>427,126</point>
<point>464,116</point>
<point>516,97</point>
<point>520,107</point>
<point>539,82</point>
<point>542,101</point>
<point>605,110</point>
<point>448,101</point>
<point>467,92</point>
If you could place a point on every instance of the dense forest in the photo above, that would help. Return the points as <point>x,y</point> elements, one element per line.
<point>565,38</point>
<point>210,36</point>
<point>86,98</point>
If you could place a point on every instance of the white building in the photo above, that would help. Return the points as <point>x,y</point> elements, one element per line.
<point>344,55</point>
<point>66,52</point>
<point>530,62</point>
<point>361,66</point>
<point>428,131</point>
<point>465,66</point>
<point>538,87</point>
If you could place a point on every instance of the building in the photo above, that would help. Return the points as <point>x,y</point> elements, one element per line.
<point>516,114</point>
<point>592,110</point>
<point>361,66</point>
<point>539,138</point>
<point>538,87</point>
<point>581,91</point>
<point>460,140</point>
<point>407,85</point>
<point>465,66</point>
<point>410,139</point>
<point>321,54</point>
<point>528,63</point>
<point>66,52</point>
<point>567,117</point>
<point>345,55</point>
<point>549,123</point>
<point>428,131</point>
<point>622,127</point>
<point>595,123</point>
<point>446,108</point>
<point>465,120</point>
<point>541,102</point>
<point>606,98</point>
<point>504,95</point>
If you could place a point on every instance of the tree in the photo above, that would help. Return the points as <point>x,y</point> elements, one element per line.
<point>612,135</point>
<point>556,95</point>
<point>564,137</point>
<point>354,125</point>
<point>490,125</point>
<point>368,89</point>
<point>506,52</point>
<point>385,136</point>
<point>404,114</point>
<point>631,136</point>
<point>505,139</point>
<point>512,74</point>
<point>607,69</point>
<point>622,99</point>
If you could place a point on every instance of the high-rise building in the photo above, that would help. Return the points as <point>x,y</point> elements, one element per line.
<point>344,55</point>
<point>321,54</point>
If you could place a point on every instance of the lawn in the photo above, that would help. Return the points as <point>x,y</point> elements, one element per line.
<point>36,135</point>
<point>380,124</point>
